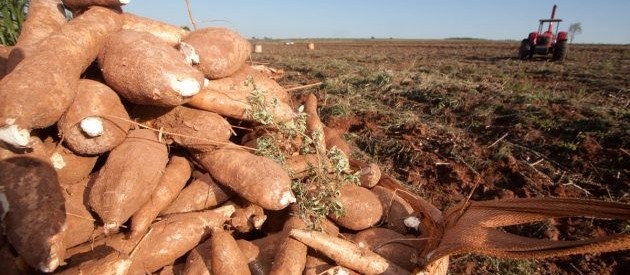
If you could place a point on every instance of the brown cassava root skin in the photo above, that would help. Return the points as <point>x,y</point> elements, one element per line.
<point>288,145</point>
<point>94,99</point>
<point>179,233</point>
<point>259,253</point>
<point>166,241</point>
<point>71,168</point>
<point>199,260</point>
<point>81,224</point>
<point>257,179</point>
<point>362,208</point>
<point>291,255</point>
<point>82,4</point>
<point>221,51</point>
<point>262,252</point>
<point>370,173</point>
<point>44,18</point>
<point>299,165</point>
<point>175,176</point>
<point>36,218</point>
<point>147,71</point>
<point>201,130</point>
<point>4,54</point>
<point>333,139</point>
<point>128,178</point>
<point>174,269</point>
<point>395,209</point>
<point>221,103</point>
<point>236,84</point>
<point>200,194</point>
<point>38,149</point>
<point>229,96</point>
<point>227,257</point>
<point>147,114</point>
<point>169,34</point>
<point>10,264</point>
<point>247,217</point>
<point>43,85</point>
<point>346,253</point>
<point>395,247</point>
<point>314,126</point>
<point>114,263</point>
<point>269,72</point>
<point>317,264</point>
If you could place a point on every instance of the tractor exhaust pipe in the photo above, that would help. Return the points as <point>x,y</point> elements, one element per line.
<point>553,15</point>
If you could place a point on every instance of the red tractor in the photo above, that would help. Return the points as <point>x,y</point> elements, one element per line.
<point>545,42</point>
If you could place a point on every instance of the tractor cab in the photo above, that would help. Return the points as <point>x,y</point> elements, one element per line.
<point>545,42</point>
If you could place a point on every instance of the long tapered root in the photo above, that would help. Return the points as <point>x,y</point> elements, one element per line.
<point>346,253</point>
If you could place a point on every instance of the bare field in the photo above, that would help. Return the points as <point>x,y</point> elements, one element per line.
<point>443,116</point>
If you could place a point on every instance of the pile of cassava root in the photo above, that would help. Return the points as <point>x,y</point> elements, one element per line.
<point>130,146</point>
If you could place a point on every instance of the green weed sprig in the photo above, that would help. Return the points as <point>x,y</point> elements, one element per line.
<point>12,16</point>
<point>317,193</point>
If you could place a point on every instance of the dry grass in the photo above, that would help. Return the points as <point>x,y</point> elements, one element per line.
<point>416,105</point>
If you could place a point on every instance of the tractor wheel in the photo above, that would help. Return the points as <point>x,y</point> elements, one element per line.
<point>524,51</point>
<point>560,51</point>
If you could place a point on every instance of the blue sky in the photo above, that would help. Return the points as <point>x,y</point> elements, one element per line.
<point>602,21</point>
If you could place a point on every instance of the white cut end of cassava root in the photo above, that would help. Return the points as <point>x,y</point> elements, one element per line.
<point>53,259</point>
<point>57,161</point>
<point>189,53</point>
<point>124,2</point>
<point>185,87</point>
<point>110,227</point>
<point>92,126</point>
<point>51,264</point>
<point>412,222</point>
<point>122,267</point>
<point>287,198</point>
<point>341,271</point>
<point>15,136</point>
<point>258,221</point>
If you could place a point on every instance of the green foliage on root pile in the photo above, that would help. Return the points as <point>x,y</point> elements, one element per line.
<point>317,194</point>
<point>260,105</point>
<point>12,16</point>
<point>326,180</point>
